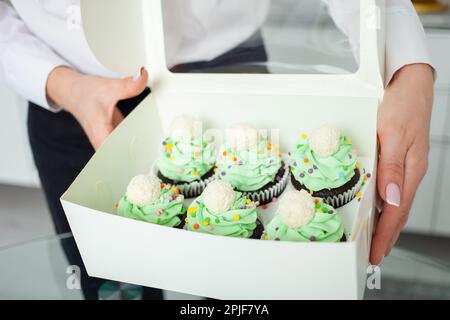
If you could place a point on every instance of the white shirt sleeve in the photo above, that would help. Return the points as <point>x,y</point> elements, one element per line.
<point>405,37</point>
<point>406,42</point>
<point>25,61</point>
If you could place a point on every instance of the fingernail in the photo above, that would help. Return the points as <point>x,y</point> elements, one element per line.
<point>138,75</point>
<point>381,262</point>
<point>393,194</point>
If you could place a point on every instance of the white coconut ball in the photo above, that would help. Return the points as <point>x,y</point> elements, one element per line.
<point>185,127</point>
<point>242,137</point>
<point>296,208</point>
<point>219,196</point>
<point>144,190</point>
<point>325,141</point>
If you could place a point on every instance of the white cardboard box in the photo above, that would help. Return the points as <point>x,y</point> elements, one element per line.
<point>136,252</point>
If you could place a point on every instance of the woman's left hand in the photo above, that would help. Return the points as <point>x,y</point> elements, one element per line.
<point>403,133</point>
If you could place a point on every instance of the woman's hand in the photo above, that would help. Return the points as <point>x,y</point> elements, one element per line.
<point>403,132</point>
<point>92,100</point>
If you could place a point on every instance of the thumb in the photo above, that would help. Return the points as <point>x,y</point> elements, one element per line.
<point>131,87</point>
<point>391,168</point>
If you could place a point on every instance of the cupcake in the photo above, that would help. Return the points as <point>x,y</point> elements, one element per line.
<point>188,161</point>
<point>302,218</point>
<point>252,165</point>
<point>147,199</point>
<point>222,211</point>
<point>326,166</point>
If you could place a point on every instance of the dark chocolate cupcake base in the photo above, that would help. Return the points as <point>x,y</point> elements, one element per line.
<point>336,197</point>
<point>190,189</point>
<point>259,230</point>
<point>272,190</point>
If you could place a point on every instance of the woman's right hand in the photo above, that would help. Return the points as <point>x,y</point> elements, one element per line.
<point>92,100</point>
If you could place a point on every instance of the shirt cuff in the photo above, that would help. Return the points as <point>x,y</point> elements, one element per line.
<point>28,72</point>
<point>406,42</point>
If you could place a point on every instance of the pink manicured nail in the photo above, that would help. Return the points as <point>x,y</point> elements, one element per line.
<point>393,194</point>
<point>138,75</point>
<point>381,262</point>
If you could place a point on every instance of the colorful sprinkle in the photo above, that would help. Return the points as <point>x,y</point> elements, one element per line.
<point>306,160</point>
<point>266,237</point>
<point>265,206</point>
<point>205,223</point>
<point>176,191</point>
<point>192,210</point>
<point>341,176</point>
<point>302,175</point>
<point>159,212</point>
<point>169,147</point>
<point>234,158</point>
<point>274,199</point>
<point>196,173</point>
<point>217,221</point>
<point>359,195</point>
<point>311,192</point>
<point>225,153</point>
<point>269,147</point>
<point>168,187</point>
<point>304,136</point>
<point>316,201</point>
<point>170,198</point>
<point>236,217</point>
<point>348,140</point>
<point>196,226</point>
<point>330,212</point>
<point>215,169</point>
<point>210,228</point>
<point>179,199</point>
<point>248,201</point>
<point>257,203</point>
<point>310,171</point>
<point>116,205</point>
<point>312,239</point>
<point>186,220</point>
<point>163,185</point>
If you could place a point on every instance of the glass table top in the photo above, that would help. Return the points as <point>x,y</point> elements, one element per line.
<point>38,270</point>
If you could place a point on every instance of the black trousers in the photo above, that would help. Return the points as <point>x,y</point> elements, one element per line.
<point>61,149</point>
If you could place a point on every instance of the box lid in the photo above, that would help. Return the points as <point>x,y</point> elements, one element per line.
<point>125,35</point>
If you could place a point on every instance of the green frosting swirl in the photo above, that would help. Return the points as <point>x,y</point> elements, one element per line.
<point>250,170</point>
<point>165,212</point>
<point>239,221</point>
<point>186,161</point>
<point>326,226</point>
<point>323,173</point>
